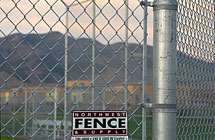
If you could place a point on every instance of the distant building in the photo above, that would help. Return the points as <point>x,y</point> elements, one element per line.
<point>79,93</point>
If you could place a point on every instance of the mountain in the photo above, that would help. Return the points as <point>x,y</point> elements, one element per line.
<point>39,58</point>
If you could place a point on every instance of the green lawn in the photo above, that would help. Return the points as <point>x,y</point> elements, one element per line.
<point>9,138</point>
<point>135,128</point>
<point>134,125</point>
<point>187,129</point>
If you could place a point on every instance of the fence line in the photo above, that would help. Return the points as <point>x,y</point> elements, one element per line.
<point>95,54</point>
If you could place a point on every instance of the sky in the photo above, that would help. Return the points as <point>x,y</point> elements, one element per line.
<point>21,16</point>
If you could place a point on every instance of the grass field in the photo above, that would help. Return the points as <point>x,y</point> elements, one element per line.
<point>9,138</point>
<point>134,125</point>
<point>187,129</point>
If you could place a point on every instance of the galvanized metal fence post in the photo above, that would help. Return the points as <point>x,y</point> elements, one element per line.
<point>144,73</point>
<point>93,54</point>
<point>164,73</point>
<point>126,55</point>
<point>25,112</point>
<point>55,112</point>
<point>65,71</point>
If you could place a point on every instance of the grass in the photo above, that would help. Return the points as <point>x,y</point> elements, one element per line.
<point>135,128</point>
<point>134,125</point>
<point>187,129</point>
<point>9,138</point>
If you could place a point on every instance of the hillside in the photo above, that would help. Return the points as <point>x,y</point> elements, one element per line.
<point>39,58</point>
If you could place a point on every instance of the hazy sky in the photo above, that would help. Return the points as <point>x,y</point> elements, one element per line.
<point>53,13</point>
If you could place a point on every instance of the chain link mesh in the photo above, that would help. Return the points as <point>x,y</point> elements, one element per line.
<point>32,64</point>
<point>196,70</point>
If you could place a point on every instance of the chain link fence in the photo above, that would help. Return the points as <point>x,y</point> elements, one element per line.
<point>58,56</point>
<point>196,70</point>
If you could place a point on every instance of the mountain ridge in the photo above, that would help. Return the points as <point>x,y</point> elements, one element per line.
<point>39,58</point>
